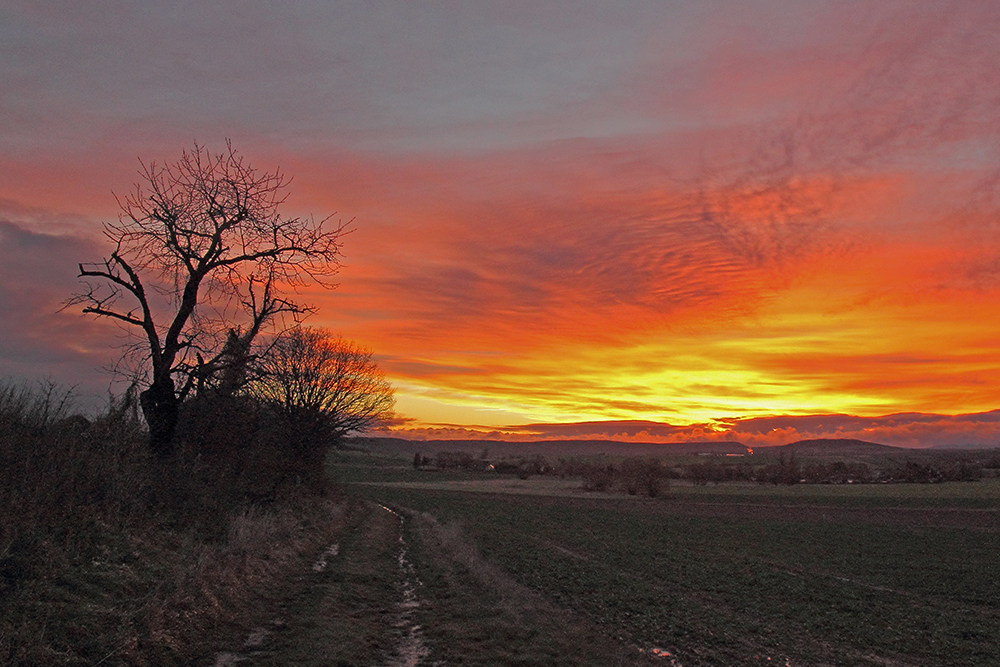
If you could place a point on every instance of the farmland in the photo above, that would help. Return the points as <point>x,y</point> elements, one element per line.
<point>735,573</point>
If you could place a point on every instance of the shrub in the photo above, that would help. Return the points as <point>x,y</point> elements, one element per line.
<point>643,475</point>
<point>598,477</point>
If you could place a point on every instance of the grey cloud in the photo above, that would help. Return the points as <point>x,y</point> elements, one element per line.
<point>37,274</point>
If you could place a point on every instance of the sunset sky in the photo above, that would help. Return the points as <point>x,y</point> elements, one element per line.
<point>648,220</point>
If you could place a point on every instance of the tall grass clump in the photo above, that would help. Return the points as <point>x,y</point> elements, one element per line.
<point>61,472</point>
<point>111,556</point>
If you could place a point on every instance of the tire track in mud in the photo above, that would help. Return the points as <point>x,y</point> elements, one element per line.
<point>480,615</point>
<point>355,605</point>
<point>411,648</point>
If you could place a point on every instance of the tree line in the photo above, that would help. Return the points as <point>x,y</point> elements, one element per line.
<point>650,475</point>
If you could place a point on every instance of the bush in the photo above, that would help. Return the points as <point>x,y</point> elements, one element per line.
<point>642,475</point>
<point>598,477</point>
<point>453,460</point>
<point>712,471</point>
<point>785,471</point>
<point>56,467</point>
<point>836,472</point>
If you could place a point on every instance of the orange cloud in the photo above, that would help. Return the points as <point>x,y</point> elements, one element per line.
<point>914,430</point>
<point>596,302</point>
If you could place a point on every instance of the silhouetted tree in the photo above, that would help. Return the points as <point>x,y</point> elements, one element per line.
<point>453,460</point>
<point>322,387</point>
<point>201,256</point>
<point>785,471</point>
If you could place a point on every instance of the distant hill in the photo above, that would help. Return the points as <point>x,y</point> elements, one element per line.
<point>953,446</point>
<point>831,447</point>
<point>553,448</point>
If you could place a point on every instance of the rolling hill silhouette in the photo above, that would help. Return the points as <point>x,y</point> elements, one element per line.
<point>832,447</point>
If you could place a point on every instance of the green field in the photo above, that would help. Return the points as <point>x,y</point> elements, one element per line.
<point>905,574</point>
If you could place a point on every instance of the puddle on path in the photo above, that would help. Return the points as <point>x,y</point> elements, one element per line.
<point>253,646</point>
<point>410,648</point>
<point>658,652</point>
<point>321,562</point>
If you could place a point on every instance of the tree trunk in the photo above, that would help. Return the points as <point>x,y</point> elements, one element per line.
<point>160,408</point>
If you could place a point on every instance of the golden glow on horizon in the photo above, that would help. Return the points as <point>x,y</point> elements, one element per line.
<point>817,347</point>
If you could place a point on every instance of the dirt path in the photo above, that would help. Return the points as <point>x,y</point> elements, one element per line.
<point>408,638</point>
<point>344,610</point>
<point>399,590</point>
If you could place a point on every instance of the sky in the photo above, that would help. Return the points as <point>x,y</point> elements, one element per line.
<point>646,220</point>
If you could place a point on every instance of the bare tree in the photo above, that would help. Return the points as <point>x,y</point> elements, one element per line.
<point>323,387</point>
<point>202,262</point>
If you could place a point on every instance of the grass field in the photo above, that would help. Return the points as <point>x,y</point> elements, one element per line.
<point>904,574</point>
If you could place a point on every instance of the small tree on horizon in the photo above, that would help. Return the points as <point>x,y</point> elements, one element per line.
<point>201,265</point>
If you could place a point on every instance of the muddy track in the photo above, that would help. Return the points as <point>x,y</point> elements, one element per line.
<point>410,648</point>
<point>346,609</point>
<point>397,589</point>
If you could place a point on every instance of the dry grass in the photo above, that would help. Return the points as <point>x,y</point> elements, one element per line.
<point>107,558</point>
<point>162,597</point>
